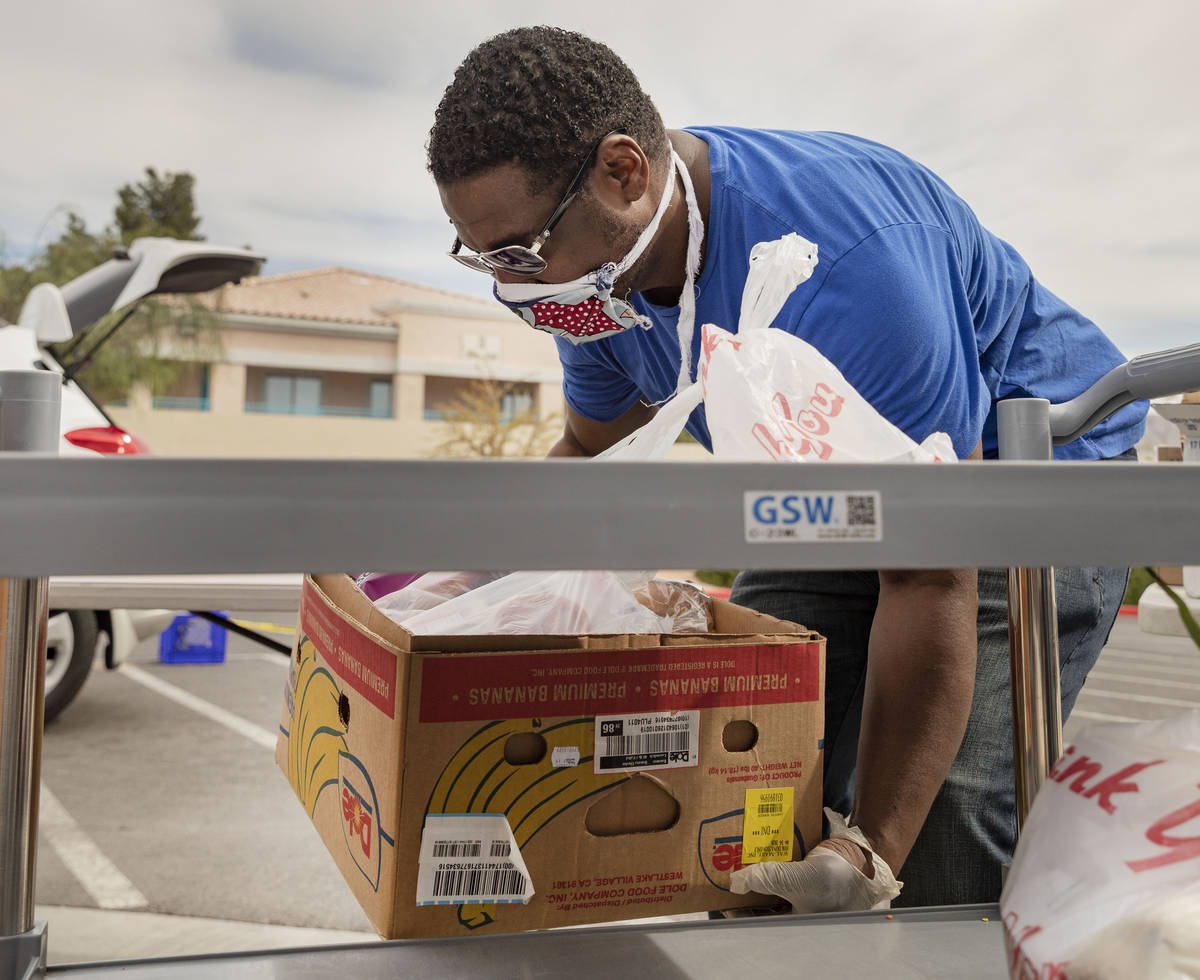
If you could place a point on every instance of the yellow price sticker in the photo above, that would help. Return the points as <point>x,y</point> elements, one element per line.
<point>767,825</point>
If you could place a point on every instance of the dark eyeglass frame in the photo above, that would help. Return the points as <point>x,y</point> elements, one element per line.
<point>525,260</point>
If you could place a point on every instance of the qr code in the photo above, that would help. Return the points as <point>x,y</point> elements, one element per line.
<point>860,510</point>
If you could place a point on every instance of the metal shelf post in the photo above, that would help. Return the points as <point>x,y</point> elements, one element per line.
<point>1023,426</point>
<point>30,405</point>
<point>1028,429</point>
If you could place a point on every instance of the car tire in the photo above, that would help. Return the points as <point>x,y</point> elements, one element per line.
<point>70,648</point>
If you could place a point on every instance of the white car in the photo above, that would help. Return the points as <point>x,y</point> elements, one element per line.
<point>51,314</point>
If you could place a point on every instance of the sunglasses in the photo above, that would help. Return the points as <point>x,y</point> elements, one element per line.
<point>524,260</point>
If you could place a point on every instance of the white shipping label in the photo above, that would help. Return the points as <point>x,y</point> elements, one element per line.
<point>818,515</point>
<point>470,857</point>
<point>652,740</point>
<point>564,755</point>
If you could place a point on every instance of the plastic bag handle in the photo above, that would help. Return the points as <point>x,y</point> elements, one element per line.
<point>776,269</point>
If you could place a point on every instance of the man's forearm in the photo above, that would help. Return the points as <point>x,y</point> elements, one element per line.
<point>920,678</point>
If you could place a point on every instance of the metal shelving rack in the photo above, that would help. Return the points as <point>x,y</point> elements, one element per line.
<point>163,516</point>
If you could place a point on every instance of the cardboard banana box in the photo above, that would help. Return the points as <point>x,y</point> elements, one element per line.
<point>486,784</point>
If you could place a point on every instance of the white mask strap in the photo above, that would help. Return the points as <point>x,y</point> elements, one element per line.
<point>527,292</point>
<point>686,327</point>
<point>651,229</point>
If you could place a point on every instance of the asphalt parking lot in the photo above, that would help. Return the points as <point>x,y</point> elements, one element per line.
<point>166,827</point>
<point>160,794</point>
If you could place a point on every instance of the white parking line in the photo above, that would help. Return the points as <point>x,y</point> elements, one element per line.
<point>256,734</point>
<point>1189,660</point>
<point>1098,716</point>
<point>1103,675</point>
<point>273,658</point>
<point>1130,663</point>
<point>1140,698</point>
<point>98,876</point>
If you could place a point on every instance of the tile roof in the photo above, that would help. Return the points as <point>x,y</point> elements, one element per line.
<point>331,294</point>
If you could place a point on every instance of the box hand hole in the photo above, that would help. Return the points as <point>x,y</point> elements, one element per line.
<point>739,736</point>
<point>640,805</point>
<point>524,749</point>
<point>344,711</point>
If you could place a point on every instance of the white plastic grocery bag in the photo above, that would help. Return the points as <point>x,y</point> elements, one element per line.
<point>1106,875</point>
<point>769,395</point>
<point>556,602</point>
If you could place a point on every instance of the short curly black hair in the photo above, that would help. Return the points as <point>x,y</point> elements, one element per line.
<point>538,97</point>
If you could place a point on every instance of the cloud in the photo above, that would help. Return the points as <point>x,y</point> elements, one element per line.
<point>1072,128</point>
<point>1137,332</point>
<point>306,49</point>
<point>1188,249</point>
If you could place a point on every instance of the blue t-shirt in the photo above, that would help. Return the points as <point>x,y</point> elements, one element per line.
<point>930,316</point>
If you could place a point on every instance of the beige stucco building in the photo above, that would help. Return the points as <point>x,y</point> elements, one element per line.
<point>333,362</point>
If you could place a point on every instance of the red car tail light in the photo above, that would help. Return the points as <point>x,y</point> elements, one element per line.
<point>109,440</point>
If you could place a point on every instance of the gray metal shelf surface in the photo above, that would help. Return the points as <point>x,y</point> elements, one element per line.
<point>171,516</point>
<point>263,593</point>
<point>174,516</point>
<point>917,944</point>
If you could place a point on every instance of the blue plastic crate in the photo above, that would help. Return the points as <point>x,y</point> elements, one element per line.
<point>192,640</point>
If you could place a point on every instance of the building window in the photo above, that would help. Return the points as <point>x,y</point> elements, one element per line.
<point>516,404</point>
<point>379,400</point>
<point>480,399</point>
<point>332,394</point>
<point>285,394</point>
<point>444,397</point>
<point>188,391</point>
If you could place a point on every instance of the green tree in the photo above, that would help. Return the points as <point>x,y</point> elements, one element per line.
<point>15,283</point>
<point>151,347</point>
<point>157,206</point>
<point>74,252</point>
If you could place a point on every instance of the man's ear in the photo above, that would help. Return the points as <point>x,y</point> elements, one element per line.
<point>621,175</point>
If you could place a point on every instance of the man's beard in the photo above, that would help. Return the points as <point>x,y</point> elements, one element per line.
<point>620,237</point>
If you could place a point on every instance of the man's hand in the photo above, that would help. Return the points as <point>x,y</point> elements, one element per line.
<point>841,874</point>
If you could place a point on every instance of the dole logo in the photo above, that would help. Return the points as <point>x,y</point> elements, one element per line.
<point>727,853</point>
<point>719,846</point>
<point>360,816</point>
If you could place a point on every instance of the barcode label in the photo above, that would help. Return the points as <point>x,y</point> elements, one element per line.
<point>492,881</point>
<point>654,744</point>
<point>564,756</point>
<point>457,848</point>
<point>470,857</point>
<point>772,516</point>
<point>768,828</point>
<point>657,740</point>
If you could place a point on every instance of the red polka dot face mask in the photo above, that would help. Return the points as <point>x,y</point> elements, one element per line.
<point>585,309</point>
<point>579,315</point>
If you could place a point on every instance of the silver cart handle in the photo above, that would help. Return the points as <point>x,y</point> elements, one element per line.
<point>1156,375</point>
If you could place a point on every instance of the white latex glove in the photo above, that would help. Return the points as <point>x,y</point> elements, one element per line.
<point>824,881</point>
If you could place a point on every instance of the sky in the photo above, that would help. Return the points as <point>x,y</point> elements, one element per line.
<point>1072,128</point>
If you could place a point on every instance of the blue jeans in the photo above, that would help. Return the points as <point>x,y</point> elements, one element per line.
<point>970,832</point>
